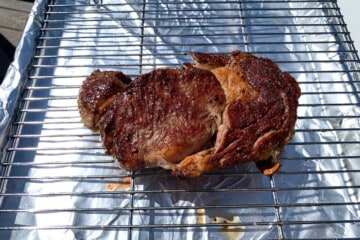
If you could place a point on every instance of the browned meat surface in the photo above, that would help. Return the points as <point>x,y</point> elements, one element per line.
<point>96,93</point>
<point>259,118</point>
<point>226,109</point>
<point>162,117</point>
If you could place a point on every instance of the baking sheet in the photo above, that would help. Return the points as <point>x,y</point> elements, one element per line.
<point>57,183</point>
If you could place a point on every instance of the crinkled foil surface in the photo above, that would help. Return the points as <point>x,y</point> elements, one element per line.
<point>57,183</point>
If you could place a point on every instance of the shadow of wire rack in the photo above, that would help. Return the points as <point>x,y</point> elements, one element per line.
<point>57,183</point>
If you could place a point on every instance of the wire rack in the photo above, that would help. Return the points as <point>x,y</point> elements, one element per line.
<point>57,183</point>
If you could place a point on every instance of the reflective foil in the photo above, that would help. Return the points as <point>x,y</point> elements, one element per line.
<point>57,182</point>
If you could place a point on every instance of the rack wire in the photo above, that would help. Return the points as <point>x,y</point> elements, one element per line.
<point>56,181</point>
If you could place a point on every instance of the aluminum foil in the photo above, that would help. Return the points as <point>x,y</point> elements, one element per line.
<point>13,82</point>
<point>61,184</point>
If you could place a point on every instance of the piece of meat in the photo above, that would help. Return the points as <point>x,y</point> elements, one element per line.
<point>225,109</point>
<point>259,117</point>
<point>162,117</point>
<point>96,94</point>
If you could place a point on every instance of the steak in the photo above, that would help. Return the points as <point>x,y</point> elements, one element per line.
<point>259,117</point>
<point>224,109</point>
<point>162,117</point>
<point>96,93</point>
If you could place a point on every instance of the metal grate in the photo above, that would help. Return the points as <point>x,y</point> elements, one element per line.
<point>57,183</point>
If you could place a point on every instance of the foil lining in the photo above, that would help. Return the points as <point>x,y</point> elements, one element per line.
<point>16,75</point>
<point>57,183</point>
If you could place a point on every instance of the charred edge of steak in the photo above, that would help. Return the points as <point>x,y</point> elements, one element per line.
<point>209,61</point>
<point>96,94</point>
<point>268,167</point>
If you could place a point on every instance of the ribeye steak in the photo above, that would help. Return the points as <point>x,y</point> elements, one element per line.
<point>223,110</point>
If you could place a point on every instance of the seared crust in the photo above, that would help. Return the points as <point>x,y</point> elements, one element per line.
<point>96,93</point>
<point>257,125</point>
<point>225,109</point>
<point>162,117</point>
